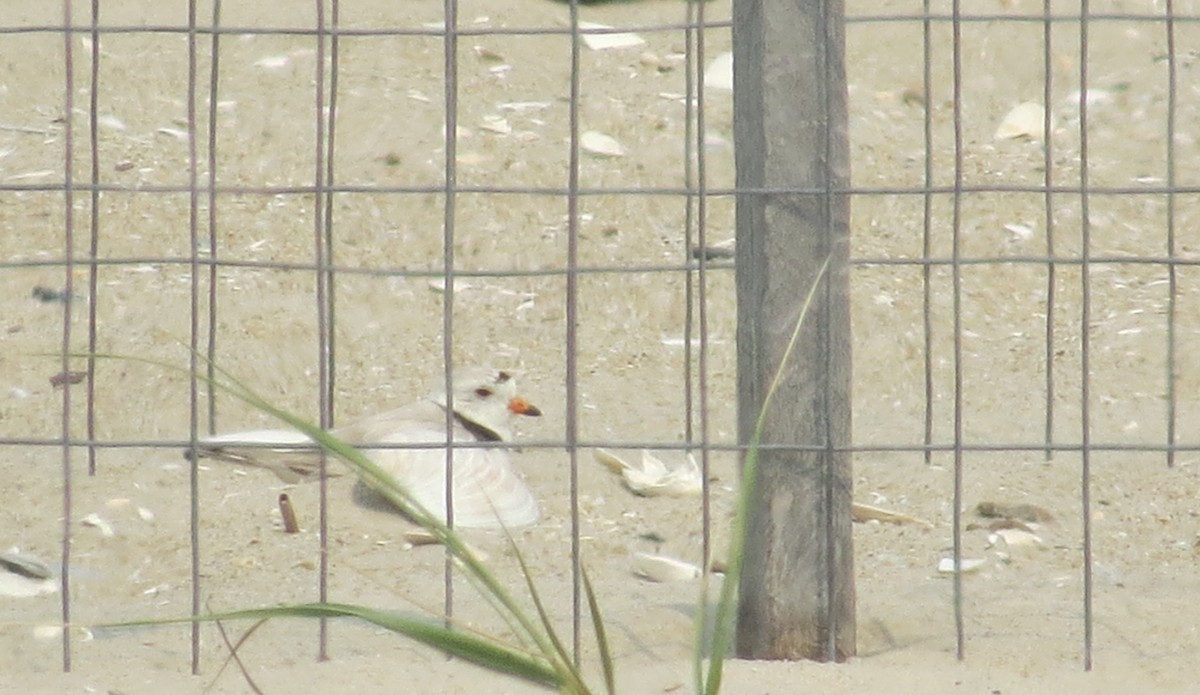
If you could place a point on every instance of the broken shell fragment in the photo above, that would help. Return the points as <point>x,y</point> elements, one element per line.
<point>608,39</point>
<point>946,565</point>
<point>1024,121</point>
<point>865,512</point>
<point>99,523</point>
<point>493,123</point>
<point>1014,538</point>
<point>660,568</point>
<point>23,565</point>
<point>24,576</point>
<point>721,249</point>
<point>718,74</point>
<point>600,145</point>
<point>651,478</point>
<point>50,632</point>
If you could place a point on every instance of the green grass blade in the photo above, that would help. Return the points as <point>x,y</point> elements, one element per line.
<point>477,650</point>
<point>562,656</point>
<point>606,660</point>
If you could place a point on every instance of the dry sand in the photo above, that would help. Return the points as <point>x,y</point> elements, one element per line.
<point>1024,617</point>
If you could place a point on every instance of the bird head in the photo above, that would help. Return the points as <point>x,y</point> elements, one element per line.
<point>486,401</point>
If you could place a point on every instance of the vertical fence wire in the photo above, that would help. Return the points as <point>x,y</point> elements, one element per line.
<point>330,303</point>
<point>697,47</point>
<point>214,82</point>
<point>210,361</point>
<point>927,226</point>
<point>571,435</point>
<point>69,264</point>
<point>1048,198</point>
<point>956,272</point>
<point>94,240</point>
<point>833,47</point>
<point>1172,279</point>
<point>450,193</point>
<point>1085,327</point>
<point>689,221</point>
<point>194,328</point>
<point>323,256</point>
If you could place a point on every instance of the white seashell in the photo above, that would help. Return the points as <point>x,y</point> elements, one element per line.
<point>15,562</point>
<point>678,341</point>
<point>1014,537</point>
<point>660,568</point>
<point>24,176</point>
<point>865,512</point>
<point>651,477</point>
<point>1026,120</point>
<point>439,285</point>
<point>601,145</point>
<point>718,74</point>
<point>650,59</point>
<point>486,54</point>
<point>49,632</point>
<point>523,106</point>
<point>273,62</point>
<point>602,42</point>
<point>609,460</point>
<point>1020,231</point>
<point>946,565</point>
<point>720,249</point>
<point>177,133</point>
<point>24,576</point>
<point>99,523</point>
<point>111,122</point>
<point>495,124</point>
<point>16,586</point>
<point>1095,97</point>
<point>418,537</point>
<point>472,159</point>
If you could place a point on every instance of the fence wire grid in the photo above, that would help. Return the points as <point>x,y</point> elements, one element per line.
<point>334,201</point>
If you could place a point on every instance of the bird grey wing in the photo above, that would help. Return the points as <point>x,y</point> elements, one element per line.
<point>289,454</point>
<point>488,491</point>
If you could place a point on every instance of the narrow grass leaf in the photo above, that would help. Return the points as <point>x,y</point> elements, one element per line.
<point>606,660</point>
<point>563,658</point>
<point>476,650</point>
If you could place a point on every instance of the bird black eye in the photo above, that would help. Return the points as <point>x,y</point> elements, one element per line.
<point>483,392</point>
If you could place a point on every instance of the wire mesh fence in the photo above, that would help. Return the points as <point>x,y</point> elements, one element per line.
<point>335,201</point>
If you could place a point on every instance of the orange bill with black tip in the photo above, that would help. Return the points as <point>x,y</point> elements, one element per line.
<point>520,406</point>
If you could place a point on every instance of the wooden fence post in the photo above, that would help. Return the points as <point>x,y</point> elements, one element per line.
<point>796,599</point>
